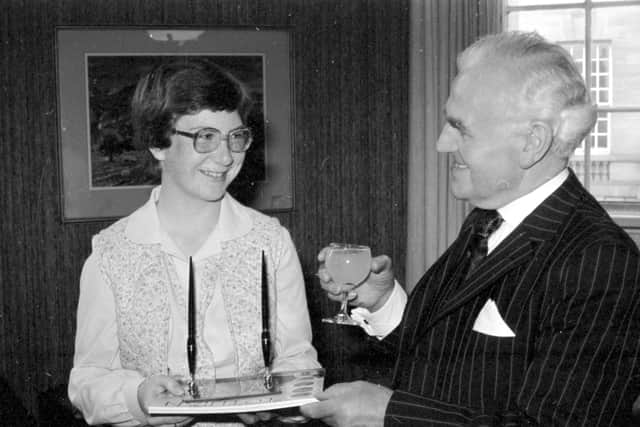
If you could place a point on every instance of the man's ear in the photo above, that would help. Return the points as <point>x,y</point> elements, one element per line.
<point>158,153</point>
<point>537,143</point>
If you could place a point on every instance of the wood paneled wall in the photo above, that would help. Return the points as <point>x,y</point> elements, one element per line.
<point>351,109</point>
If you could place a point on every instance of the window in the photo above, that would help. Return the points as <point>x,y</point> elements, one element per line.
<point>600,89</point>
<point>605,35</point>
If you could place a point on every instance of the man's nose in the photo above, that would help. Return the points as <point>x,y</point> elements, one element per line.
<point>447,141</point>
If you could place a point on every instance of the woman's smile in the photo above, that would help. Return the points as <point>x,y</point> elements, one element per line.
<point>214,174</point>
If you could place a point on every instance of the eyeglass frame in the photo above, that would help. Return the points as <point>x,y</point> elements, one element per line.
<point>223,137</point>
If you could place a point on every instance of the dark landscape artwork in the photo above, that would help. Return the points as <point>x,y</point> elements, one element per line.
<point>116,161</point>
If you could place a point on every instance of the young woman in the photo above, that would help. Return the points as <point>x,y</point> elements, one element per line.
<point>132,317</point>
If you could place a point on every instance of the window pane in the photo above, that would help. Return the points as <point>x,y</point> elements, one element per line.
<point>577,52</point>
<point>599,139</point>
<point>604,66</point>
<point>556,25</point>
<point>614,178</point>
<point>601,126</point>
<point>604,52</point>
<point>602,141</point>
<point>539,2</point>
<point>616,35</point>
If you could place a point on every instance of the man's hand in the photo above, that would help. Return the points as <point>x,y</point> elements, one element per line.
<point>354,404</point>
<point>160,390</point>
<point>370,294</point>
<point>255,417</point>
<point>250,419</point>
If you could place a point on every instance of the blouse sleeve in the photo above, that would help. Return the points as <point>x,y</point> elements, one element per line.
<point>293,349</point>
<point>98,385</point>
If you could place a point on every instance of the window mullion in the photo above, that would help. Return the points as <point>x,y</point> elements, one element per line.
<point>587,77</point>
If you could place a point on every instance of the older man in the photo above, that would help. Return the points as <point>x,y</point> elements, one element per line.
<point>531,316</point>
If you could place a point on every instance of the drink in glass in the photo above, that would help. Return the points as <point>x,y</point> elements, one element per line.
<point>347,264</point>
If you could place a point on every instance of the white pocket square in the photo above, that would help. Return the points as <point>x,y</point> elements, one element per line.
<point>489,322</point>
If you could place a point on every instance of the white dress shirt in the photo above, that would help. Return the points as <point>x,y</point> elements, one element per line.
<point>107,393</point>
<point>381,322</point>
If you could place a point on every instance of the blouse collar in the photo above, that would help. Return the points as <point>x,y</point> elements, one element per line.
<point>144,224</point>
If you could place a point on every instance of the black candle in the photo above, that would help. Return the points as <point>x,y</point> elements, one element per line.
<point>265,295</point>
<point>191,325</point>
<point>266,334</point>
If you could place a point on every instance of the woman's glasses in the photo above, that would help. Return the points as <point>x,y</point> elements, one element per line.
<point>207,140</point>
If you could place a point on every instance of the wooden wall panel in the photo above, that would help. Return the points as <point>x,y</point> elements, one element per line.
<point>351,74</point>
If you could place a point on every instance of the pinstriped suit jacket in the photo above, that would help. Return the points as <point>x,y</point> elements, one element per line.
<point>567,282</point>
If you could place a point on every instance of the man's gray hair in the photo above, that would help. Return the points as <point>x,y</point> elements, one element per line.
<point>551,83</point>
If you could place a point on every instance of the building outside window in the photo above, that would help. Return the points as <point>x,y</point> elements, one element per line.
<point>605,34</point>
<point>600,89</point>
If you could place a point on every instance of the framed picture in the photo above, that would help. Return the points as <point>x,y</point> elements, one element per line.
<point>103,174</point>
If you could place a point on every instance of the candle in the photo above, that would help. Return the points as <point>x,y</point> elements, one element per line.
<point>266,334</point>
<point>191,337</point>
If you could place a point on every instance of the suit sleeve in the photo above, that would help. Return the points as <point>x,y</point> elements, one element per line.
<point>586,362</point>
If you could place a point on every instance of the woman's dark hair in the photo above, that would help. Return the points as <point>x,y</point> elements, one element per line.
<point>174,89</point>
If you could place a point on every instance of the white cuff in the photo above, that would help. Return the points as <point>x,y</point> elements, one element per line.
<point>130,391</point>
<point>381,322</point>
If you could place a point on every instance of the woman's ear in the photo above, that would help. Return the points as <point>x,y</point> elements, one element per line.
<point>157,153</point>
<point>537,144</point>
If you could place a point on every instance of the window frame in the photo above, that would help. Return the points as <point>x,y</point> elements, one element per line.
<point>588,6</point>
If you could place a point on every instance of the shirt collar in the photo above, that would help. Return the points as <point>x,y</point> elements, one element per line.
<point>144,225</point>
<point>516,211</point>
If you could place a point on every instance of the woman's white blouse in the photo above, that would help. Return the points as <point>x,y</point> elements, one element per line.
<point>107,393</point>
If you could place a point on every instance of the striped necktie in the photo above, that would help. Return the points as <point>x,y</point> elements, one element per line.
<point>486,222</point>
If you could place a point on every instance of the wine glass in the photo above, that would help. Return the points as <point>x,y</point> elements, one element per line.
<point>347,264</point>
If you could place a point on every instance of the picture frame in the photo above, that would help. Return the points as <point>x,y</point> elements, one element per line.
<point>103,175</point>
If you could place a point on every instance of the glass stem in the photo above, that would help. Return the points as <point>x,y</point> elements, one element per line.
<point>343,304</point>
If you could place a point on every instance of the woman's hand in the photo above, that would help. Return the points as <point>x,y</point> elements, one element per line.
<point>255,417</point>
<point>161,390</point>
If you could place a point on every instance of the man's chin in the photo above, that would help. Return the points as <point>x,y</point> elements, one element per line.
<point>459,193</point>
<point>216,198</point>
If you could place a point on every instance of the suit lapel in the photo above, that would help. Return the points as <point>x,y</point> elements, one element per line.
<point>435,285</point>
<point>514,251</point>
<point>529,242</point>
